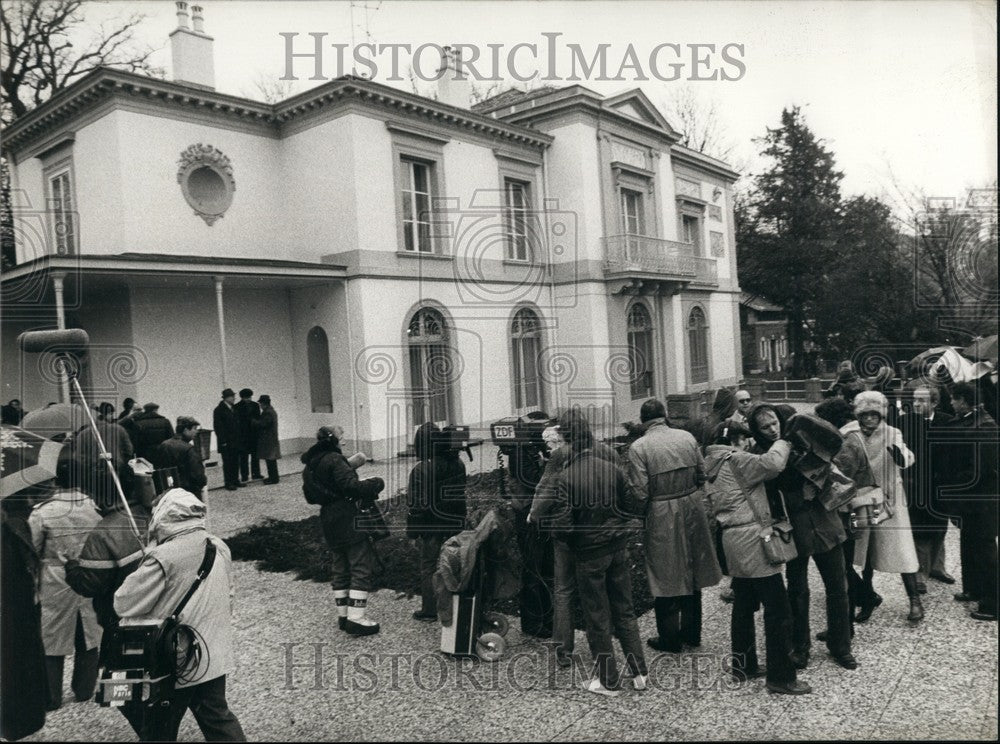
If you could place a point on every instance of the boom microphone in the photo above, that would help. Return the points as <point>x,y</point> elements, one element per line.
<point>69,339</point>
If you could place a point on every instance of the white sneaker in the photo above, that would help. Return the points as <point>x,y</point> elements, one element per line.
<point>595,686</point>
<point>639,681</point>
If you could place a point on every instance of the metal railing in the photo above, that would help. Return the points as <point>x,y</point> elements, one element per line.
<point>629,254</point>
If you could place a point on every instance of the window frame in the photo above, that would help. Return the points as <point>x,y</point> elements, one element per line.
<point>510,221</point>
<point>649,342</point>
<point>410,144</point>
<point>61,169</point>
<point>698,344</point>
<point>519,381</point>
<point>408,166</point>
<point>419,358</point>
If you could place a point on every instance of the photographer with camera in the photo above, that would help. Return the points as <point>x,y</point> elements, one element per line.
<point>330,480</point>
<point>204,651</point>
<point>436,501</point>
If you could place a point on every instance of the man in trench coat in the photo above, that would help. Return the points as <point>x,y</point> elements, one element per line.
<point>666,471</point>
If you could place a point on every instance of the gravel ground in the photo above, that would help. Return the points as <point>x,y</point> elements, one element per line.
<point>299,678</point>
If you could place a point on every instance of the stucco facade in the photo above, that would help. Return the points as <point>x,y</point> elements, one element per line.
<point>300,255</point>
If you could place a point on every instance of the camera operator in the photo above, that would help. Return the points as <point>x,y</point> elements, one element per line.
<point>156,588</point>
<point>436,500</point>
<point>341,494</point>
<point>526,464</point>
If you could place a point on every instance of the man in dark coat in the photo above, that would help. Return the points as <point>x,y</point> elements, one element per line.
<point>12,413</point>
<point>818,533</point>
<point>342,494</point>
<point>666,472</point>
<point>972,497</point>
<point>227,437</point>
<point>267,446</point>
<point>922,482</point>
<point>96,478</point>
<point>247,412</point>
<point>148,430</point>
<point>179,452</point>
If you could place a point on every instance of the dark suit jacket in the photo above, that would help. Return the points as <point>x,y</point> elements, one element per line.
<point>247,411</point>
<point>226,427</point>
<point>923,481</point>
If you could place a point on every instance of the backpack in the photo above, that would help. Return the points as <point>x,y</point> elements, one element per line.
<point>314,491</point>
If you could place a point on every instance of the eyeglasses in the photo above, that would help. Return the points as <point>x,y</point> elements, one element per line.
<point>743,400</point>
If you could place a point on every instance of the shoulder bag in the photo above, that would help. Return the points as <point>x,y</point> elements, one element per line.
<point>775,535</point>
<point>868,506</point>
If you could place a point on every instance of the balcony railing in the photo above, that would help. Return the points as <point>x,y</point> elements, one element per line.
<point>641,254</point>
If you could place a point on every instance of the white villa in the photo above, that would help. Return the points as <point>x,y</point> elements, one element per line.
<point>366,256</point>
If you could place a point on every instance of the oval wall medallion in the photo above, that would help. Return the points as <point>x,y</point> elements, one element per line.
<point>206,179</point>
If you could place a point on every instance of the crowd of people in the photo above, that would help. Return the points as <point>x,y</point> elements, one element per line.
<point>707,495</point>
<point>97,552</point>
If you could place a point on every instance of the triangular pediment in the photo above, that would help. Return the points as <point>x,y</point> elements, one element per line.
<point>636,105</point>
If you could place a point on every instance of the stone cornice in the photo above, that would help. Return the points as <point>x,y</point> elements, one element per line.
<point>103,83</point>
<point>704,163</point>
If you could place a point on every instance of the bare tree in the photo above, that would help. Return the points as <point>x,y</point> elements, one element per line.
<point>700,124</point>
<point>43,51</point>
<point>270,88</point>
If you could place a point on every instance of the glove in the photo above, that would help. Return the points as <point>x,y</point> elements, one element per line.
<point>897,455</point>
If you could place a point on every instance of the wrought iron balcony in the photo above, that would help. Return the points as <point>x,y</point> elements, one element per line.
<point>644,256</point>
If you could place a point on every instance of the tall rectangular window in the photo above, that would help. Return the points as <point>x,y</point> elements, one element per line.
<point>63,216</point>
<point>691,232</point>
<point>516,219</point>
<point>417,206</point>
<point>633,219</point>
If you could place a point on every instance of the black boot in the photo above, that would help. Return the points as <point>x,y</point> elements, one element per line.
<point>913,592</point>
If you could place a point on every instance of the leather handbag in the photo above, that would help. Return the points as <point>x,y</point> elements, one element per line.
<point>775,534</point>
<point>869,506</point>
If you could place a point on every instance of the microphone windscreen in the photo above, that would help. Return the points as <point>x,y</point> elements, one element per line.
<point>69,339</point>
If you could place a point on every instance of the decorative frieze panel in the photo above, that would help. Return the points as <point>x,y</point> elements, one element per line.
<point>715,212</point>
<point>629,155</point>
<point>718,244</point>
<point>688,188</point>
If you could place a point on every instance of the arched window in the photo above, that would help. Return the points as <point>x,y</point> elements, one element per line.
<point>526,346</point>
<point>320,386</point>
<point>698,345</point>
<point>431,367</point>
<point>640,351</point>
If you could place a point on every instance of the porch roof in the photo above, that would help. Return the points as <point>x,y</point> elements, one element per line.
<point>158,264</point>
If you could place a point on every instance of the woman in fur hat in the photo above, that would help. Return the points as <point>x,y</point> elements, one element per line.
<point>888,546</point>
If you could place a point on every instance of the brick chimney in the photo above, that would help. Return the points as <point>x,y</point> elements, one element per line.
<point>454,86</point>
<point>191,49</point>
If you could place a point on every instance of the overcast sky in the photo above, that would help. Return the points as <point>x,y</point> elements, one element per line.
<point>898,86</point>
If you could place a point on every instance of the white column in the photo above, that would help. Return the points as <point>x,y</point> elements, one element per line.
<point>57,286</point>
<point>680,343</point>
<point>222,329</point>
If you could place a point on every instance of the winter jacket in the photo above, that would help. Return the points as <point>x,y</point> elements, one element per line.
<point>972,480</point>
<point>167,571</point>
<point>265,430</point>
<point>347,492</point>
<point>923,481</point>
<point>148,430</point>
<point>815,529</point>
<point>116,440</point>
<point>889,545</point>
<point>436,497</point>
<point>61,524</point>
<point>111,552</point>
<point>735,470</point>
<point>177,453</point>
<point>247,412</point>
<point>592,499</point>
<point>666,471</point>
<point>226,427</point>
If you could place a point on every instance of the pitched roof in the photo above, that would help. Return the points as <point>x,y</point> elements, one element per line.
<point>758,303</point>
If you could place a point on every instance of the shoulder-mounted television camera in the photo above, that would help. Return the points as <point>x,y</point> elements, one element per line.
<point>521,441</point>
